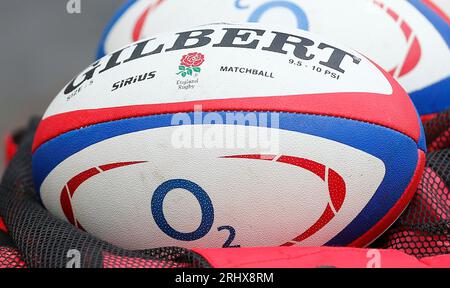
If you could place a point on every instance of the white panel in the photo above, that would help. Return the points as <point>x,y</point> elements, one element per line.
<point>267,202</point>
<point>280,74</point>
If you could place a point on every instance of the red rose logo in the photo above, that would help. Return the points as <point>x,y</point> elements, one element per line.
<point>190,63</point>
<point>193,59</point>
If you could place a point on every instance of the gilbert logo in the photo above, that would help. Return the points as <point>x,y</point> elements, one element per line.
<point>297,47</point>
<point>191,63</point>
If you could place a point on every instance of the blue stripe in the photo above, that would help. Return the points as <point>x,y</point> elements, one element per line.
<point>422,143</point>
<point>398,152</point>
<point>432,99</point>
<point>101,48</point>
<point>437,21</point>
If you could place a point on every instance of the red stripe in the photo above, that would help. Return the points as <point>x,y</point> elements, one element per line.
<point>80,227</point>
<point>392,71</point>
<point>395,211</point>
<point>358,106</point>
<point>76,181</point>
<point>72,185</point>
<point>137,30</point>
<point>66,205</point>
<point>392,14</point>
<point>378,3</point>
<point>337,189</point>
<point>107,167</point>
<point>412,59</point>
<point>68,191</point>
<point>394,111</point>
<point>406,30</point>
<point>414,52</point>
<point>326,217</point>
<point>437,10</point>
<point>314,167</point>
<point>253,156</point>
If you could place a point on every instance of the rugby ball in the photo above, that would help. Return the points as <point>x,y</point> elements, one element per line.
<point>409,39</point>
<point>229,136</point>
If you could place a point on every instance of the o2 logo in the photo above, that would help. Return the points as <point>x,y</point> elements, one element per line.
<point>206,207</point>
<point>337,194</point>
<point>256,15</point>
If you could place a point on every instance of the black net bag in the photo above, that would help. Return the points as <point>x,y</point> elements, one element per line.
<point>423,230</point>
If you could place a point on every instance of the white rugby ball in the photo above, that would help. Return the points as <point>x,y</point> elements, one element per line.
<point>409,39</point>
<point>227,136</point>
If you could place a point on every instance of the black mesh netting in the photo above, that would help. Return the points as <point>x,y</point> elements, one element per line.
<point>43,241</point>
<point>424,228</point>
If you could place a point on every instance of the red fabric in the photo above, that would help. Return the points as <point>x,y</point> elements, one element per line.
<point>441,261</point>
<point>440,142</point>
<point>428,117</point>
<point>3,226</point>
<point>10,148</point>
<point>10,258</point>
<point>312,257</point>
<point>114,261</point>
